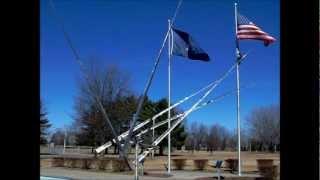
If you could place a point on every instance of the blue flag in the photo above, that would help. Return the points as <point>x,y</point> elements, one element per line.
<point>185,46</point>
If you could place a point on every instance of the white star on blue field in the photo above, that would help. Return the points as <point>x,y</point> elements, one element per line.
<point>129,33</point>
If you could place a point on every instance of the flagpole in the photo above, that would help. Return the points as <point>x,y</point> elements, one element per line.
<point>142,97</point>
<point>238,58</point>
<point>153,123</point>
<point>64,141</point>
<point>169,95</point>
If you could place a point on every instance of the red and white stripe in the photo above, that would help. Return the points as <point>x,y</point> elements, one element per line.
<point>251,31</point>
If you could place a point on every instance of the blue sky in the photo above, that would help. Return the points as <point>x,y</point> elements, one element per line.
<point>129,34</point>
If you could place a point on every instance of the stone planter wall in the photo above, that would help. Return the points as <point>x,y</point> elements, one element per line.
<point>109,164</point>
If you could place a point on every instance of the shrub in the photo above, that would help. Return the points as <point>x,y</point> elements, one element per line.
<point>200,164</point>
<point>179,163</point>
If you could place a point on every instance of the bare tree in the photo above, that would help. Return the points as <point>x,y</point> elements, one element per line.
<point>233,140</point>
<point>112,86</point>
<point>225,138</point>
<point>71,135</point>
<point>264,125</point>
<point>58,137</point>
<point>191,140</point>
<point>214,138</point>
<point>218,138</point>
<point>201,136</point>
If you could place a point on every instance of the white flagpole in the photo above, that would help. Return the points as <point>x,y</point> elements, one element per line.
<point>169,96</point>
<point>136,175</point>
<point>153,122</point>
<point>238,58</point>
<point>65,140</point>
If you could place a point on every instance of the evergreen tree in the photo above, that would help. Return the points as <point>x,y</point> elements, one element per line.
<point>44,124</point>
<point>178,135</point>
<point>95,131</point>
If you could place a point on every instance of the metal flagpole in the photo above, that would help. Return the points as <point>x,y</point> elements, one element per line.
<point>64,141</point>
<point>238,58</point>
<point>169,95</point>
<point>136,177</point>
<point>153,122</point>
<point>142,97</point>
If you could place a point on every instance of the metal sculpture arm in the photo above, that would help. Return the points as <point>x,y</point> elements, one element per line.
<point>94,96</point>
<point>125,134</point>
<point>181,114</point>
<point>160,138</point>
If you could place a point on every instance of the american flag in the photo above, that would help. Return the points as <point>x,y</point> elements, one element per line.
<point>247,30</point>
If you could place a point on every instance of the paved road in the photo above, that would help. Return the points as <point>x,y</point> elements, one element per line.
<point>78,174</point>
